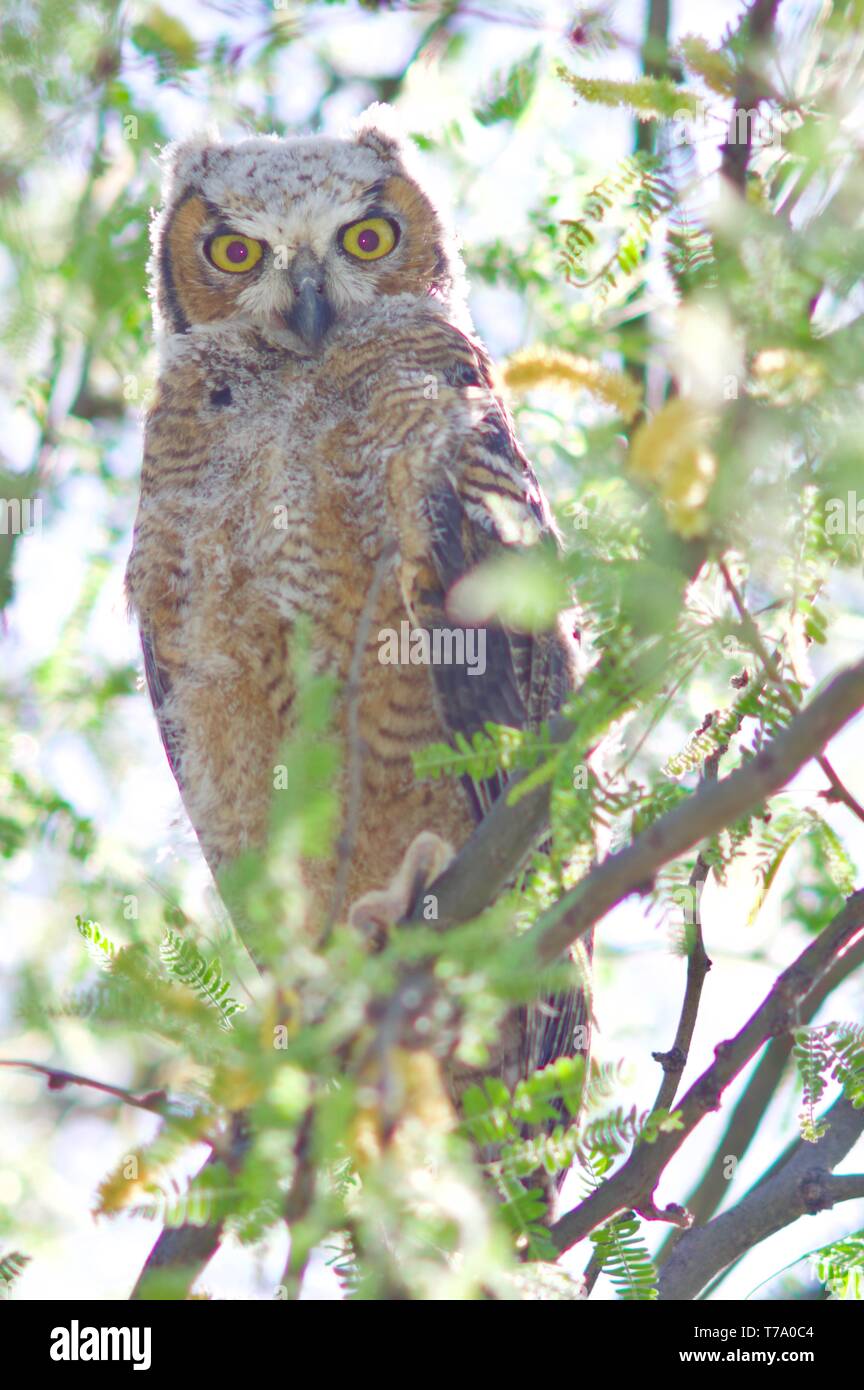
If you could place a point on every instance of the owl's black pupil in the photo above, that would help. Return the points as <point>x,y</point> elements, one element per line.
<point>368,240</point>
<point>236,251</point>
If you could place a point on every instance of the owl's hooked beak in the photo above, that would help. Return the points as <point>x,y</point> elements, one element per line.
<point>311,313</point>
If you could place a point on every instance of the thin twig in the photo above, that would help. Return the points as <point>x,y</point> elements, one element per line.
<point>758,26</point>
<point>297,1204</point>
<point>772,667</point>
<point>674,1061</point>
<point>157,1101</point>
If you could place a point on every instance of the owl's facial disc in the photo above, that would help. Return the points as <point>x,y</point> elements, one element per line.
<point>294,238</point>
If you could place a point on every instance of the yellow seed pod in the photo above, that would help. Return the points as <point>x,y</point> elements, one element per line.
<point>408,1086</point>
<point>235,1087</point>
<point>542,366</point>
<point>670,452</point>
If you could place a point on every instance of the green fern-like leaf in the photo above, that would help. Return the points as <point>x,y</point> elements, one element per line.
<point>615,1132</point>
<point>813,1057</point>
<point>510,92</point>
<point>775,842</point>
<point>175,1204</point>
<point>840,1267</point>
<point>639,179</point>
<point>494,748</point>
<point>848,1066</point>
<point>136,993</point>
<point>186,964</point>
<point>829,1051</point>
<point>524,1211</point>
<point>689,257</point>
<point>838,863</point>
<point>762,705</point>
<point>625,1259</point>
<point>101,947</point>
<point>12,1266</point>
<point>562,1081</point>
<point>486,1112</point>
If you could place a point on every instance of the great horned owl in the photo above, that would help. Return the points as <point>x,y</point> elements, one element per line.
<point>327,428</point>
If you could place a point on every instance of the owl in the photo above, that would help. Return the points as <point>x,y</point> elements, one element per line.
<point>327,449</point>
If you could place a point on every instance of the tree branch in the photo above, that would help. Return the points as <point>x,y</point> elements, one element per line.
<point>510,831</point>
<point>157,1101</point>
<point>180,1253</point>
<point>701,815</point>
<point>802,1187</point>
<point>761,1089</point>
<point>177,1259</point>
<point>753,638</point>
<point>674,1061</point>
<point>757,27</point>
<point>633,1185</point>
<point>497,848</point>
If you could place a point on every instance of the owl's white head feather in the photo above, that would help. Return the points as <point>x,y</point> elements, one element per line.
<point>292,204</point>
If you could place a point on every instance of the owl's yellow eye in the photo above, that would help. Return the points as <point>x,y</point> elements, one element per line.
<point>370,239</point>
<point>234,252</point>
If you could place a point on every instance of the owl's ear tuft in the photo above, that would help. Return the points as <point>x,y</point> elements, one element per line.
<point>185,162</point>
<point>379,129</point>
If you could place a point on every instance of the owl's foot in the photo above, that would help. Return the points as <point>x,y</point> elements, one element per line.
<point>425,858</point>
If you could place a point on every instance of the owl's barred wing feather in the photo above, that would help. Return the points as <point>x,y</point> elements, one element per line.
<point>477,506</point>
<point>468,702</point>
<point>485,503</point>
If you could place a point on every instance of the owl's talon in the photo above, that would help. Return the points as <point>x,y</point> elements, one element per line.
<point>377,912</point>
